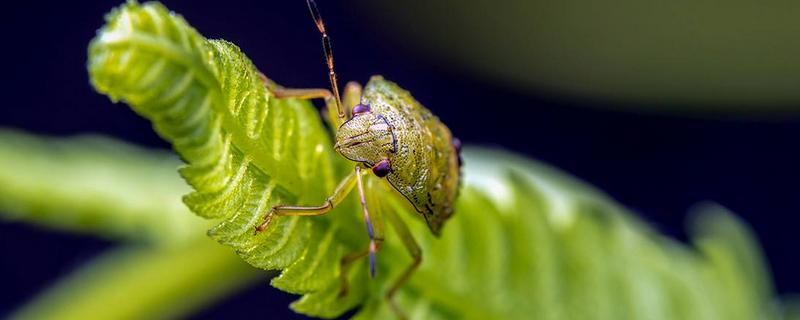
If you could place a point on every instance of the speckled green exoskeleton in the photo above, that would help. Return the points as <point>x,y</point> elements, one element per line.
<point>383,128</point>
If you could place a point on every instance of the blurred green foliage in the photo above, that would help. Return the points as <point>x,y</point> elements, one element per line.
<point>102,187</point>
<point>669,56</point>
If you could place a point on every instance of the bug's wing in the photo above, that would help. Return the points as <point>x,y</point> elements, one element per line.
<point>424,161</point>
<point>429,176</point>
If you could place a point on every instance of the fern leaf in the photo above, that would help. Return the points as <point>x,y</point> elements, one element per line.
<point>526,240</point>
<point>245,150</point>
<point>529,240</point>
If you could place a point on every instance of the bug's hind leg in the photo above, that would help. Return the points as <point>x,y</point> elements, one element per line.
<point>416,254</point>
<point>335,199</point>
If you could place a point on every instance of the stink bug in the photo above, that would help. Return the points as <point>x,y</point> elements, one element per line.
<point>387,131</point>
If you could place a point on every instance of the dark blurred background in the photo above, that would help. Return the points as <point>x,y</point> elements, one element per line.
<point>656,148</point>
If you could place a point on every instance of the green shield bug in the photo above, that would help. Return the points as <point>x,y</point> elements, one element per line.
<point>387,131</point>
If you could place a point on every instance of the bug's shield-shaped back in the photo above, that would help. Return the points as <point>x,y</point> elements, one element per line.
<point>424,162</point>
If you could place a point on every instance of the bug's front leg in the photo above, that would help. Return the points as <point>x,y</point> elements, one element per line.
<point>336,114</point>
<point>374,223</point>
<point>416,255</point>
<point>341,192</point>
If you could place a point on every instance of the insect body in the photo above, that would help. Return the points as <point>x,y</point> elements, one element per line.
<point>392,134</point>
<point>393,130</point>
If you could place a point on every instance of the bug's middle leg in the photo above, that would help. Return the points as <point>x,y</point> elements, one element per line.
<point>341,192</point>
<point>347,262</point>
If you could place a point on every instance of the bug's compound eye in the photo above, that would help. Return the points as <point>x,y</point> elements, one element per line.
<point>360,108</point>
<point>382,169</point>
<point>457,146</point>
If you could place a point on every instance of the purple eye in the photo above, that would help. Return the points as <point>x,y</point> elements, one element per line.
<point>457,144</point>
<point>360,108</point>
<point>382,169</point>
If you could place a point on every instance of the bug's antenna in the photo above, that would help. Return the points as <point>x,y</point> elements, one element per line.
<point>326,46</point>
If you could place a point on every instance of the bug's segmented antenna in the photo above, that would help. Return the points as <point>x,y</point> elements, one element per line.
<point>326,46</point>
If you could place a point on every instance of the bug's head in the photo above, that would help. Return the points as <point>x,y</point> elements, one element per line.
<point>366,137</point>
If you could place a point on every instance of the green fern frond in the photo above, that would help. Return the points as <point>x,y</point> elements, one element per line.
<point>525,240</point>
<point>529,240</point>
<point>245,150</point>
